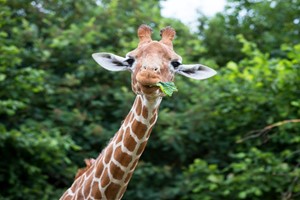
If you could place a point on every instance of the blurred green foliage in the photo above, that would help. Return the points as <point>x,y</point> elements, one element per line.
<point>270,23</point>
<point>57,106</point>
<point>240,159</point>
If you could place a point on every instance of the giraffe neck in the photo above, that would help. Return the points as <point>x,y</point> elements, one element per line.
<point>111,172</point>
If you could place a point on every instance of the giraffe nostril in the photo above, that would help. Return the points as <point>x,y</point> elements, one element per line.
<point>145,67</point>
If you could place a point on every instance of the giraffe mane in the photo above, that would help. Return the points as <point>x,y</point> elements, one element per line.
<point>88,162</point>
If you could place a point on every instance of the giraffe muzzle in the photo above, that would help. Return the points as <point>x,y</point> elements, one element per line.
<point>147,78</point>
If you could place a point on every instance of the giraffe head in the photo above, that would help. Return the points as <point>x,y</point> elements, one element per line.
<point>152,62</point>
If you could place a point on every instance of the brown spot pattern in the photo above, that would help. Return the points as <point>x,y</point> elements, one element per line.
<point>153,119</point>
<point>120,136</point>
<point>112,191</point>
<point>129,141</point>
<point>139,107</point>
<point>105,178</point>
<point>149,132</point>
<point>139,129</point>
<point>116,171</point>
<point>122,191</point>
<point>134,164</point>
<point>128,177</point>
<point>141,148</point>
<point>127,118</point>
<point>145,112</point>
<point>123,158</point>
<point>67,198</point>
<point>96,192</point>
<point>76,184</point>
<point>99,170</point>
<point>108,154</point>
<point>87,184</point>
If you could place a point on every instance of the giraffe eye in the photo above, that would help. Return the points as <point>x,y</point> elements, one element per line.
<point>130,61</point>
<point>175,64</point>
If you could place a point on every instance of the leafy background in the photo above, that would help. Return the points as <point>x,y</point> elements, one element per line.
<point>234,136</point>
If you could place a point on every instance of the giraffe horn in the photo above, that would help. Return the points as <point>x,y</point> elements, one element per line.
<point>167,35</point>
<point>144,33</point>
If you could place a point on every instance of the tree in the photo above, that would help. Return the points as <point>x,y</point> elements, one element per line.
<point>267,23</point>
<point>33,152</point>
<point>239,160</point>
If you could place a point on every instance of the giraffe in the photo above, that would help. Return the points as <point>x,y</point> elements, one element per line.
<point>151,62</point>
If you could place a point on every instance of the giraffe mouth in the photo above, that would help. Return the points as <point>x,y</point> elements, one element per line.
<point>148,88</point>
<point>147,82</point>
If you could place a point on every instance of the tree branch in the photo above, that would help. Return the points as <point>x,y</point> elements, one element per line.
<point>265,130</point>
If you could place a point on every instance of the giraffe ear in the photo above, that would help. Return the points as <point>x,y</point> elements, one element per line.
<point>196,71</point>
<point>111,62</point>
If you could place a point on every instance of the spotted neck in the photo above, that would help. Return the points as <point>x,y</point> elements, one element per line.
<point>110,174</point>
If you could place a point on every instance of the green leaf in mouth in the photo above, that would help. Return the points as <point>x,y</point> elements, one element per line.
<point>167,87</point>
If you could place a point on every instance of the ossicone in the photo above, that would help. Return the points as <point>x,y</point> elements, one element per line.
<point>144,34</point>
<point>167,35</point>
